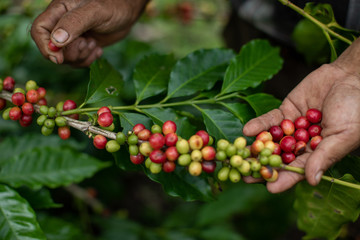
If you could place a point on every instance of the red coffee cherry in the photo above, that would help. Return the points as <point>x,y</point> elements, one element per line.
<point>64,132</point>
<point>144,134</point>
<point>314,142</point>
<point>171,139</point>
<point>105,119</point>
<point>256,147</point>
<point>314,115</point>
<point>18,99</point>
<point>137,159</point>
<point>300,148</point>
<point>102,110</point>
<point>157,156</point>
<point>157,140</point>
<point>69,105</point>
<point>314,130</point>
<point>196,142</point>
<point>277,149</point>
<point>172,153</point>
<point>208,166</point>
<point>15,113</point>
<point>99,141</point>
<point>302,135</point>
<point>169,127</point>
<point>9,84</point>
<point>42,92</point>
<point>137,128</point>
<point>27,108</point>
<point>53,47</point>
<point>32,96</point>
<point>302,122</point>
<point>287,144</point>
<point>2,103</point>
<point>287,126</point>
<point>277,133</point>
<point>287,157</point>
<point>208,153</point>
<point>169,166</point>
<point>204,135</point>
<point>25,120</point>
<point>42,102</point>
<point>264,136</point>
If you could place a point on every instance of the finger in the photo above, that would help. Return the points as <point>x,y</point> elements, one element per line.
<point>78,21</point>
<point>250,179</point>
<point>79,50</point>
<point>263,122</point>
<point>95,54</point>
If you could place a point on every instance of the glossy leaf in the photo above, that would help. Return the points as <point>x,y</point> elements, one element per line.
<point>257,62</point>
<point>129,120</point>
<point>151,75</point>
<point>105,82</point>
<point>349,164</point>
<point>58,229</point>
<point>262,102</point>
<point>324,209</point>
<point>38,199</point>
<point>17,218</point>
<point>51,167</point>
<point>242,111</point>
<point>198,71</point>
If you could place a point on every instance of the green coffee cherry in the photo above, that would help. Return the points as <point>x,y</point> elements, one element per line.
<point>234,175</point>
<point>265,152</point>
<point>120,138</point>
<point>230,150</point>
<point>275,160</point>
<point>31,84</point>
<point>109,128</point>
<point>236,161</point>
<point>132,139</point>
<point>52,112</point>
<point>256,175</point>
<point>41,119</point>
<point>1,85</point>
<point>60,121</point>
<point>155,168</point>
<point>44,109</point>
<point>255,166</point>
<point>46,131</point>
<point>5,114</point>
<point>112,146</point>
<point>156,129</point>
<point>246,153</point>
<point>182,146</point>
<point>240,143</point>
<point>59,106</point>
<point>20,90</point>
<point>148,162</point>
<point>223,174</point>
<point>264,160</point>
<point>133,149</point>
<point>211,141</point>
<point>222,144</point>
<point>244,169</point>
<point>49,123</point>
<point>221,155</point>
<point>184,159</point>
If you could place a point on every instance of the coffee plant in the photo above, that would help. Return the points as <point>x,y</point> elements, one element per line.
<point>184,131</point>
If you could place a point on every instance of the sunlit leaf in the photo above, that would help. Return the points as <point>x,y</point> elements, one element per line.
<point>262,102</point>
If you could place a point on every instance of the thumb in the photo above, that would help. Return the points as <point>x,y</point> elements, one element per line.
<point>76,22</point>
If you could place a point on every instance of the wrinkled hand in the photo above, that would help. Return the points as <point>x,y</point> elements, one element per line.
<point>82,27</point>
<point>334,89</point>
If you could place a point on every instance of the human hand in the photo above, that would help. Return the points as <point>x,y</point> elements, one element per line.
<point>82,27</point>
<point>334,89</point>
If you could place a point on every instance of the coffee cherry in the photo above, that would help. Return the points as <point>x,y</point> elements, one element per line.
<point>211,140</point>
<point>302,122</point>
<point>204,136</point>
<point>256,147</point>
<point>302,135</point>
<point>208,153</point>
<point>236,161</point>
<point>32,96</point>
<point>314,142</point>
<point>222,144</point>
<point>15,113</point>
<point>221,155</point>
<point>274,176</point>
<point>148,162</point>
<point>169,166</point>
<point>230,150</point>
<point>44,110</point>
<point>275,160</point>
<point>9,84</point>
<point>256,174</point>
<point>270,145</point>
<point>60,121</point>
<point>20,90</point>
<point>18,99</point>
<point>266,172</point>
<point>52,112</point>
<point>6,114</point>
<point>105,119</point>
<point>137,159</point>
<point>171,139</point>
<point>277,149</point>
<point>287,144</point>
<point>195,168</point>
<point>266,152</point>
<point>31,84</point>
<point>2,103</point>
<point>300,148</point>
<point>112,146</point>
<point>184,159</point>
<point>196,155</point>
<point>172,153</point>
<point>46,131</point>
<point>41,119</point>
<point>145,149</point>
<point>276,132</point>
<point>234,175</point>
<point>314,130</point>
<point>53,47</point>
<point>69,105</point>
<point>59,106</point>
<point>246,153</point>
<point>27,108</point>
<point>64,132</point>
<point>1,85</point>
<point>264,136</point>
<point>155,168</point>
<point>313,115</point>
<point>42,92</point>
<point>287,126</point>
<point>102,110</point>
<point>287,157</point>
<point>156,129</point>
<point>223,174</point>
<point>25,120</point>
<point>182,146</point>
<point>263,160</point>
<point>157,141</point>
<point>255,165</point>
<point>132,139</point>
<point>144,134</point>
<point>120,138</point>
<point>169,127</point>
<point>99,141</point>
<point>195,142</point>
<point>208,166</point>
<point>240,142</point>
<point>133,149</point>
<point>49,123</point>
<point>42,102</point>
<point>137,128</point>
<point>157,156</point>
<point>244,169</point>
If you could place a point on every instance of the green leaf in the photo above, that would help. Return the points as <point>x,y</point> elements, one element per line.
<point>198,71</point>
<point>221,124</point>
<point>349,164</point>
<point>38,199</point>
<point>17,218</point>
<point>128,120</point>
<point>51,167</point>
<point>105,82</point>
<point>58,229</point>
<point>262,103</point>
<point>324,209</point>
<point>257,62</point>
<point>13,146</point>
<point>151,75</point>
<point>242,111</point>
<point>220,232</point>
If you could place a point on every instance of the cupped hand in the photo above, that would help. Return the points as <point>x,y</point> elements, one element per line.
<point>334,89</point>
<point>81,28</point>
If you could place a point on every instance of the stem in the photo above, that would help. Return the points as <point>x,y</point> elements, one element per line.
<point>323,26</point>
<point>326,178</point>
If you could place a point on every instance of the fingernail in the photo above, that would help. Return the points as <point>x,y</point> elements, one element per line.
<point>318,177</point>
<point>53,59</point>
<point>60,35</point>
<point>92,44</point>
<point>82,45</point>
